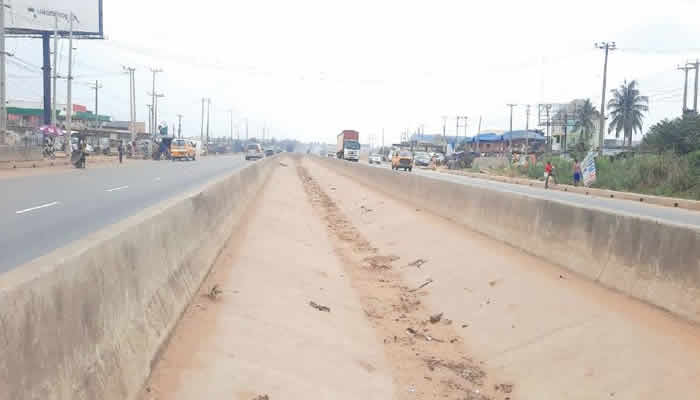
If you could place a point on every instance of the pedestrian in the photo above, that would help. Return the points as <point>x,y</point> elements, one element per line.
<point>549,170</point>
<point>121,151</point>
<point>577,172</point>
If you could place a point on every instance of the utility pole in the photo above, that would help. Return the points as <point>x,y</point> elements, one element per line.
<point>246,129</point>
<point>96,88</point>
<point>151,130</point>
<point>69,105</point>
<point>607,46</point>
<point>527,130</point>
<point>231,122</point>
<point>3,74</point>
<point>179,126</point>
<point>685,69</point>
<point>696,67</point>
<point>132,105</point>
<point>478,132</point>
<point>55,68</point>
<point>201,132</point>
<point>154,122</point>
<point>510,141</point>
<point>444,133</point>
<point>208,111</point>
<point>155,110</point>
<point>548,107</point>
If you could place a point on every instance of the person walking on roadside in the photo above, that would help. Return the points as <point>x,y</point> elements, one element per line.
<point>577,172</point>
<point>549,169</point>
<point>121,151</point>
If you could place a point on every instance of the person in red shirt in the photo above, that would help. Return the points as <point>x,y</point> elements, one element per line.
<point>549,169</point>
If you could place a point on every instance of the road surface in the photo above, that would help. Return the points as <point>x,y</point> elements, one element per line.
<point>43,212</point>
<point>666,214</point>
<point>506,325</point>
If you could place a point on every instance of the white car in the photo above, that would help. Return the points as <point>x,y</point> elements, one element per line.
<point>375,159</point>
<point>254,152</point>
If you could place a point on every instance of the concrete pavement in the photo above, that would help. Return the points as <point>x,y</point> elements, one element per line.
<point>41,213</point>
<point>665,214</point>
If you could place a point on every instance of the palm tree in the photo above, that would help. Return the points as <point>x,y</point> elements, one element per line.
<point>627,109</point>
<point>585,115</point>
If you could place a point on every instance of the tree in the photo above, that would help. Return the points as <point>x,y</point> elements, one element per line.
<point>585,115</point>
<point>680,135</point>
<point>627,107</point>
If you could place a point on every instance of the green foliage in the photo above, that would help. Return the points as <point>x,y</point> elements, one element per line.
<point>584,120</point>
<point>680,135</point>
<point>627,107</point>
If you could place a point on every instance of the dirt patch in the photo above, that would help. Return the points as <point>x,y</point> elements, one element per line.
<point>427,359</point>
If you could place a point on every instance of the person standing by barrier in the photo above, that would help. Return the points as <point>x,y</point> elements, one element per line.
<point>549,170</point>
<point>577,173</point>
<point>121,151</point>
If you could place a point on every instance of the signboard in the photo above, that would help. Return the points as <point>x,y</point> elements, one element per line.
<point>588,169</point>
<point>34,17</point>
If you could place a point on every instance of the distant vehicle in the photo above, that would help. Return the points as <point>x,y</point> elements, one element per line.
<point>349,146</point>
<point>182,149</point>
<point>253,152</point>
<point>331,155</point>
<point>422,160</point>
<point>269,152</point>
<point>375,159</point>
<point>402,159</point>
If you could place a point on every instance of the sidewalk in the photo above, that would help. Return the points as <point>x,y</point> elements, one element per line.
<point>60,164</point>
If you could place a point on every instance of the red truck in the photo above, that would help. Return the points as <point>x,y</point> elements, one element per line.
<point>348,146</point>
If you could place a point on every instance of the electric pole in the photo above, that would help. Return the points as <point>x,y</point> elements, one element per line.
<point>3,74</point>
<point>696,67</point>
<point>527,130</point>
<point>607,46</point>
<point>155,110</point>
<point>201,132</point>
<point>208,111</point>
<point>96,88</point>
<point>457,130</point>
<point>246,129</point>
<point>685,69</point>
<point>132,105</point>
<point>510,136</point>
<point>154,122</point>
<point>230,112</point>
<point>69,105</point>
<point>179,126</point>
<point>150,119</point>
<point>55,69</point>
<point>478,133</point>
<point>444,133</point>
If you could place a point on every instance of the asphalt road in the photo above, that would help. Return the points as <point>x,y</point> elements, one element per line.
<point>665,214</point>
<point>44,212</point>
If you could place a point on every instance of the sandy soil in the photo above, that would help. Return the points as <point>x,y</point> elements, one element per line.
<point>335,291</point>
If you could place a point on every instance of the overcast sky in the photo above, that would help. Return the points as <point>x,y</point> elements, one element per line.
<point>308,69</point>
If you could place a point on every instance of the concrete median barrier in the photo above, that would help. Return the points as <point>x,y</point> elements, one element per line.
<point>653,261</point>
<point>86,321</point>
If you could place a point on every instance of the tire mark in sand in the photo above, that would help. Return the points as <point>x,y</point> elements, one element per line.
<point>428,360</point>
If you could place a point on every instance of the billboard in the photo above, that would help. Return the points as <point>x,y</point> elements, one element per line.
<point>34,17</point>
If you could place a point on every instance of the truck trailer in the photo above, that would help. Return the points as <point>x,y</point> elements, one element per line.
<point>348,146</point>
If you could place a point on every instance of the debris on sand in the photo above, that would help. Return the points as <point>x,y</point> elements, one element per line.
<point>417,263</point>
<point>366,209</point>
<point>506,388</point>
<point>423,336</point>
<point>282,164</point>
<point>424,284</point>
<point>495,282</point>
<point>214,292</point>
<point>319,307</point>
<point>434,319</point>
<point>262,397</point>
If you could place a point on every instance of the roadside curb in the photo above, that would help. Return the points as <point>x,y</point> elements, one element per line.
<point>687,204</point>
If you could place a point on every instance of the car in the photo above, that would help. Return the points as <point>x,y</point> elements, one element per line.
<point>269,152</point>
<point>253,151</point>
<point>375,159</point>
<point>422,160</point>
<point>402,159</point>
<point>182,149</point>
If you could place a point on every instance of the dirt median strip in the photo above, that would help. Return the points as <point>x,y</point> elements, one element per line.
<point>428,360</point>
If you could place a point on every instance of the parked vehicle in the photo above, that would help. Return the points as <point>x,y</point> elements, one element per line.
<point>269,152</point>
<point>349,146</point>
<point>422,160</point>
<point>375,159</point>
<point>254,152</point>
<point>182,149</point>
<point>402,159</point>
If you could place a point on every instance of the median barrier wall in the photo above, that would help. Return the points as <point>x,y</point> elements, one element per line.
<point>87,321</point>
<point>653,261</point>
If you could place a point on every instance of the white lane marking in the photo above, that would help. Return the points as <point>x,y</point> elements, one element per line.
<point>36,208</point>
<point>116,188</point>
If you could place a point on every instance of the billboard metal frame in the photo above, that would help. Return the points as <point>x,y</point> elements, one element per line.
<point>37,33</point>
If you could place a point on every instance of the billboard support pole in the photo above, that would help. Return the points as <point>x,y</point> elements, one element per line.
<point>46,48</point>
<point>54,71</point>
<point>69,103</point>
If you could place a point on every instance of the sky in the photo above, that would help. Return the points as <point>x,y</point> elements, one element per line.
<point>308,69</point>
